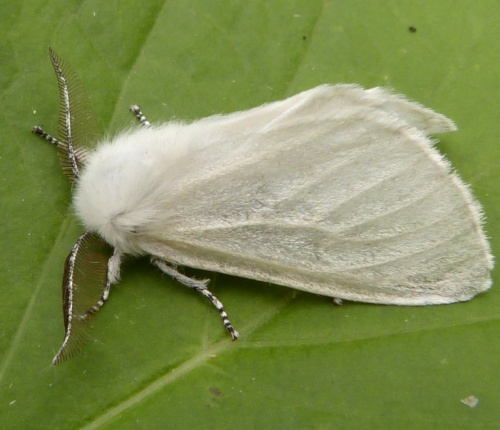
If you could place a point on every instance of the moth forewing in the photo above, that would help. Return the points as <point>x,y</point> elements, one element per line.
<point>85,283</point>
<point>340,192</point>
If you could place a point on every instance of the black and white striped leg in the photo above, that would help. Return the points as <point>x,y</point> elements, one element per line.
<point>39,130</point>
<point>136,110</point>
<point>201,287</point>
<point>112,277</point>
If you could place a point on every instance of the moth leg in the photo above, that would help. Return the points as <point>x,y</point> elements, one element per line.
<point>136,110</point>
<point>113,275</point>
<point>62,146</point>
<point>201,287</point>
<point>41,132</point>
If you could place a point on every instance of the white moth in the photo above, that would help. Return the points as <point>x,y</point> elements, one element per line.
<point>336,191</point>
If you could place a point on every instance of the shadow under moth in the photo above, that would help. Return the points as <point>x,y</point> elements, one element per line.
<point>336,191</point>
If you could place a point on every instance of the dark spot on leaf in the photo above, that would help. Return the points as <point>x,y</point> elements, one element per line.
<point>216,391</point>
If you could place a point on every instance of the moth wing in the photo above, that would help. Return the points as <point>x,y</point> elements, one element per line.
<point>322,99</point>
<point>84,280</point>
<point>337,191</point>
<point>77,123</point>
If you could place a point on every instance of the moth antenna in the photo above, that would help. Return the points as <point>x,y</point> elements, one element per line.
<point>201,287</point>
<point>90,270</point>
<point>65,114</point>
<point>78,131</point>
<point>136,110</point>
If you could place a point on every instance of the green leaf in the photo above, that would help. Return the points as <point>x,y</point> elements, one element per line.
<point>160,358</point>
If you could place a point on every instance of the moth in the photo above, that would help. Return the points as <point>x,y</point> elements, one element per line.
<point>337,191</point>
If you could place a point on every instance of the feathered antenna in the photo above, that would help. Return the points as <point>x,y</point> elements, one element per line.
<point>86,271</point>
<point>77,129</point>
